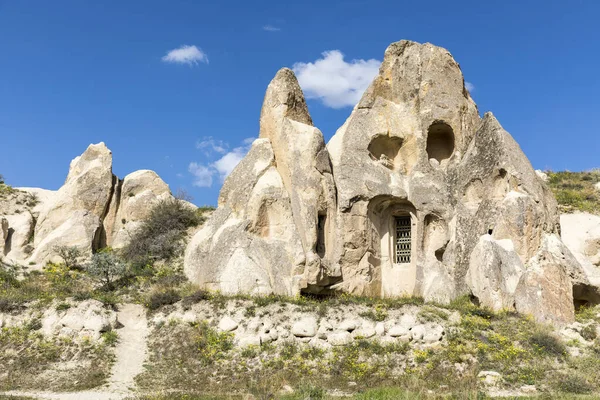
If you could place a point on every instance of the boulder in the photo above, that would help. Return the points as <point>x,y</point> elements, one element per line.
<point>339,338</point>
<point>546,293</point>
<point>580,232</point>
<point>86,319</point>
<point>349,325</point>
<point>399,331</point>
<point>494,272</point>
<point>227,324</point>
<point>489,378</point>
<point>305,327</point>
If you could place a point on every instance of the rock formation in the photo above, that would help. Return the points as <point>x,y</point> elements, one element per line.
<point>93,209</point>
<point>414,195</point>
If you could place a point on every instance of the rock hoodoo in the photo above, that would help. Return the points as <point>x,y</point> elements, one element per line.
<point>92,210</point>
<point>414,195</point>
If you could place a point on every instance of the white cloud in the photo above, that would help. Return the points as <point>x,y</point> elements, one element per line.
<point>271,28</point>
<point>190,55</point>
<point>202,175</point>
<point>335,82</point>
<point>470,87</point>
<point>228,162</point>
<point>205,172</point>
<point>208,144</point>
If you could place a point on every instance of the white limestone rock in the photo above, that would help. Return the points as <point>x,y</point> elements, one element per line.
<point>227,324</point>
<point>305,327</point>
<point>86,319</point>
<point>339,338</point>
<point>494,272</point>
<point>78,207</point>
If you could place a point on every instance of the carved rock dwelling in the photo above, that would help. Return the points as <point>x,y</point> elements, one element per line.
<point>415,195</point>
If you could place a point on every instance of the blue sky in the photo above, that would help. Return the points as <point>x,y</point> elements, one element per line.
<point>75,72</point>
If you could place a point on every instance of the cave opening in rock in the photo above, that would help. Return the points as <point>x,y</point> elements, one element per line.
<point>585,296</point>
<point>321,222</point>
<point>8,241</point>
<point>384,149</point>
<point>440,141</point>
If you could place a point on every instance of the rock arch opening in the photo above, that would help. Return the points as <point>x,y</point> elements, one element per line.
<point>440,142</point>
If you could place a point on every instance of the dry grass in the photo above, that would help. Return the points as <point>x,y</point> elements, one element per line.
<point>31,361</point>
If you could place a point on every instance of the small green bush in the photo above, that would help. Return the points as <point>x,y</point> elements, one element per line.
<point>106,267</point>
<point>547,343</point>
<point>110,338</point>
<point>573,383</point>
<point>160,236</point>
<point>71,255</point>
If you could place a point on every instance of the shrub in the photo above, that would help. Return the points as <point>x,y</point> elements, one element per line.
<point>71,255</point>
<point>588,332</point>
<point>572,383</point>
<point>110,338</point>
<point>160,236</point>
<point>196,297</point>
<point>212,345</point>
<point>164,298</point>
<point>106,267</point>
<point>547,343</point>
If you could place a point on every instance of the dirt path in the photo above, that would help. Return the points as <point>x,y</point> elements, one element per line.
<point>130,352</point>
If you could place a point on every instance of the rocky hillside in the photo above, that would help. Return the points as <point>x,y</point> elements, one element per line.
<point>576,191</point>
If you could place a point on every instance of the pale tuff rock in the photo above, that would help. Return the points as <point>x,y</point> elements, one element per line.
<point>581,234</point>
<point>86,319</point>
<point>542,175</point>
<point>93,209</point>
<point>494,273</point>
<point>86,194</point>
<point>131,204</point>
<point>305,327</point>
<point>414,195</point>
<point>227,324</point>
<point>263,238</point>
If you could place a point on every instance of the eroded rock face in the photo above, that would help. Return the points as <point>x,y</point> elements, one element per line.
<point>414,195</point>
<point>494,272</point>
<point>580,232</point>
<point>272,230</point>
<point>251,243</point>
<point>93,209</point>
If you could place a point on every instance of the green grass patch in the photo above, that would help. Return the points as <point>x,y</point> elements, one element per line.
<point>575,191</point>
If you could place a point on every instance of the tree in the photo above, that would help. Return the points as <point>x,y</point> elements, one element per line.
<point>107,268</point>
<point>71,255</point>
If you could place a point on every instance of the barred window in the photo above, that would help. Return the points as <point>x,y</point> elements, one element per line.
<point>403,239</point>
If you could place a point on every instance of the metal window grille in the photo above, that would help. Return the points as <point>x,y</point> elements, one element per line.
<point>403,240</point>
